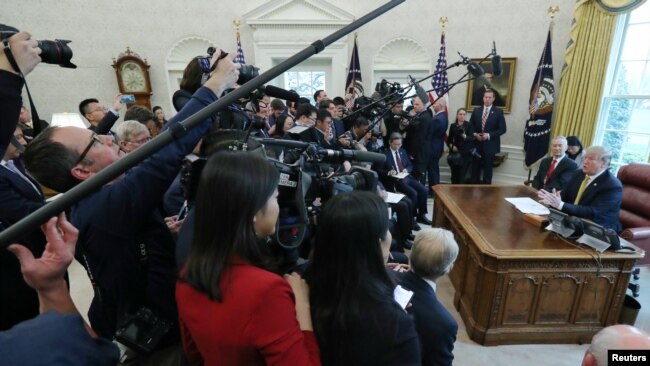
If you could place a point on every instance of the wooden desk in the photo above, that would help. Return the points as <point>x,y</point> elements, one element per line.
<point>516,284</point>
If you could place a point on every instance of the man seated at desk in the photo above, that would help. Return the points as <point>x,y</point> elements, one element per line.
<point>593,193</point>
<point>555,171</point>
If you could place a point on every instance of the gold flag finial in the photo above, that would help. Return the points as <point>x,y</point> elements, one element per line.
<point>552,10</point>
<point>236,24</point>
<point>443,21</point>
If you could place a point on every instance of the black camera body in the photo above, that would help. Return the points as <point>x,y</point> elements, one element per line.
<point>55,52</point>
<point>142,331</point>
<point>246,72</point>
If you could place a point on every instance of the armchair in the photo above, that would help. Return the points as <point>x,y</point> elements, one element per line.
<point>635,208</point>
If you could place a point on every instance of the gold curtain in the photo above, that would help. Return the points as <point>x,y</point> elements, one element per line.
<point>583,76</point>
<point>586,60</point>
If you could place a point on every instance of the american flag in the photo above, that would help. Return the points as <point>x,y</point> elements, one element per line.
<point>440,82</point>
<point>239,58</point>
<point>353,85</point>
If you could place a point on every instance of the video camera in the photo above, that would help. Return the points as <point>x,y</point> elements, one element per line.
<point>55,52</point>
<point>304,185</point>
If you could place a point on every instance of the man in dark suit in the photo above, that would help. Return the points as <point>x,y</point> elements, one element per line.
<point>594,193</point>
<point>555,171</point>
<point>100,117</point>
<point>398,162</point>
<point>436,142</point>
<point>489,124</point>
<point>433,255</point>
<point>421,130</point>
<point>20,196</point>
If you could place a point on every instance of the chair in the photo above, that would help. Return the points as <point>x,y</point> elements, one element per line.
<point>635,208</point>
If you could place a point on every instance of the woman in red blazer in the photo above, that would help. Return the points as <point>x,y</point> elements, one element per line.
<point>233,310</point>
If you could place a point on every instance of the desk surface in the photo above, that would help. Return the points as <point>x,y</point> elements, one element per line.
<point>499,229</point>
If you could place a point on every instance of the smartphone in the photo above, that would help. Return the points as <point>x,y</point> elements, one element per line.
<point>127,98</point>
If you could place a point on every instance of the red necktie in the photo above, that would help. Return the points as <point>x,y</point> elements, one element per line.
<point>484,119</point>
<point>550,171</point>
<point>400,167</point>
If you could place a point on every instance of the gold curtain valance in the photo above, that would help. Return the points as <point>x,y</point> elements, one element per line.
<point>617,6</point>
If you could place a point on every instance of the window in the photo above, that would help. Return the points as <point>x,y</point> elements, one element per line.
<point>624,123</point>
<point>305,83</point>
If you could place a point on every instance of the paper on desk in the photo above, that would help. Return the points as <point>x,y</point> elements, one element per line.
<point>401,175</point>
<point>528,205</point>
<point>402,296</point>
<point>393,197</point>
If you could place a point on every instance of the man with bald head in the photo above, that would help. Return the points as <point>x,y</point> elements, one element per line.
<point>615,337</point>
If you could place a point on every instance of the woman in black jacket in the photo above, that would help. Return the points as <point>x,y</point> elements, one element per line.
<point>356,320</point>
<point>460,141</point>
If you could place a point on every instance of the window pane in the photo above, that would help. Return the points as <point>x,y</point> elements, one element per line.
<point>305,83</point>
<point>641,14</point>
<point>635,148</point>
<point>629,77</point>
<point>640,120</point>
<point>636,46</point>
<point>618,116</point>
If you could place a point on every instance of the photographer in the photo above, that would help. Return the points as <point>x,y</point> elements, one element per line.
<point>123,242</point>
<point>19,195</point>
<point>233,309</point>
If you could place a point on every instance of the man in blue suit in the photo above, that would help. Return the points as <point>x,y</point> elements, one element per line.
<point>433,255</point>
<point>397,161</point>
<point>489,124</point>
<point>593,193</point>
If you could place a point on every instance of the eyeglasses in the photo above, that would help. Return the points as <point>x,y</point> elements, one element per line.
<point>95,138</point>
<point>100,108</point>
<point>141,141</point>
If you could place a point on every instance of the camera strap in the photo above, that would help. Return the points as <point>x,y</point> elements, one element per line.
<point>36,121</point>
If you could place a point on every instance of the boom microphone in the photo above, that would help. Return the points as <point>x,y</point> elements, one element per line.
<point>275,92</point>
<point>497,67</point>
<point>354,155</point>
<point>420,91</point>
<point>478,73</point>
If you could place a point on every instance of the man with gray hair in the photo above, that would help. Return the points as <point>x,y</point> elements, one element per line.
<point>131,135</point>
<point>555,171</point>
<point>432,256</point>
<point>615,337</point>
<point>593,193</point>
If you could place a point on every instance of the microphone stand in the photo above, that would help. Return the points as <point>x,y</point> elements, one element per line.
<point>108,174</point>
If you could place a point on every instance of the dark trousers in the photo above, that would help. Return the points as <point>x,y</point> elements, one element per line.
<point>459,172</point>
<point>403,212</point>
<point>484,164</point>
<point>416,192</point>
<point>433,171</point>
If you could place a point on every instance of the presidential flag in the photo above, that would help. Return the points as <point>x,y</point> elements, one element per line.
<point>538,126</point>
<point>239,57</point>
<point>353,84</point>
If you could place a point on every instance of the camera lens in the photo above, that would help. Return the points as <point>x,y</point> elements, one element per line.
<point>56,52</point>
<point>247,73</point>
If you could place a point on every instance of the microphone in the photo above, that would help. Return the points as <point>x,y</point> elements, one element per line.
<point>497,67</point>
<point>354,155</point>
<point>275,92</point>
<point>420,92</point>
<point>477,72</point>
